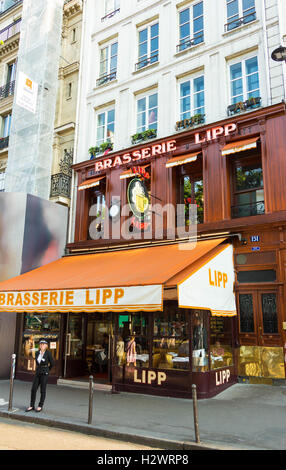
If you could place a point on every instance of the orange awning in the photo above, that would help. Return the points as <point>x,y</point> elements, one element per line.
<point>127,280</point>
<point>130,174</point>
<point>90,183</point>
<point>175,161</point>
<point>240,146</point>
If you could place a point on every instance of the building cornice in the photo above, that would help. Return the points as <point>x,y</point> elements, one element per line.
<point>72,7</point>
<point>10,45</point>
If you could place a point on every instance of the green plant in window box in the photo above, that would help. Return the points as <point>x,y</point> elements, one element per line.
<point>93,151</point>
<point>253,101</point>
<point>239,106</point>
<point>106,146</point>
<point>145,135</point>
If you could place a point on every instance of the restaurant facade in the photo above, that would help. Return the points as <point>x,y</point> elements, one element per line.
<point>151,302</point>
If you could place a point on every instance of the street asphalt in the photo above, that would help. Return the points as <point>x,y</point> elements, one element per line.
<point>242,417</point>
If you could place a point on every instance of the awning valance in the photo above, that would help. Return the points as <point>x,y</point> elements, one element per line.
<point>127,280</point>
<point>90,183</point>
<point>131,174</point>
<point>181,160</point>
<point>240,146</point>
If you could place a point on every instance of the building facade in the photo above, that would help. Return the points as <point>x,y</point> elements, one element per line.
<point>178,107</point>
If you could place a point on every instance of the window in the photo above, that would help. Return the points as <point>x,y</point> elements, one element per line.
<point>192,98</point>
<point>6,125</point>
<point>132,346</point>
<point>244,80</point>
<point>11,73</point>
<point>69,90</point>
<point>36,327</point>
<point>171,339</point>
<point>148,46</point>
<point>221,352</point>
<point>108,63</point>
<point>73,35</point>
<point>2,181</point>
<point>193,194</point>
<point>191,26</point>
<point>190,189</point>
<point>239,12</point>
<point>248,189</point>
<point>105,126</point>
<point>111,6</point>
<point>147,112</point>
<point>96,204</point>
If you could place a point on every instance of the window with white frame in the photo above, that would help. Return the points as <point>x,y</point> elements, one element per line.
<point>148,45</point>
<point>111,6</point>
<point>2,181</point>
<point>239,12</point>
<point>191,26</point>
<point>147,112</point>
<point>244,80</point>
<point>6,125</point>
<point>105,121</point>
<point>108,63</point>
<point>192,98</point>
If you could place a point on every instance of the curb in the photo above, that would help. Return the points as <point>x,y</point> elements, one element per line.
<point>159,443</point>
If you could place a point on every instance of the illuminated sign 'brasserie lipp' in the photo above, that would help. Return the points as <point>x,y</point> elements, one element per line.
<point>164,147</point>
<point>136,155</point>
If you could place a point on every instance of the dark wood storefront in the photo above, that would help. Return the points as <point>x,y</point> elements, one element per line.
<point>239,195</point>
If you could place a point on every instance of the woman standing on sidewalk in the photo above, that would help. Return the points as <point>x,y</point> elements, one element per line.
<point>44,363</point>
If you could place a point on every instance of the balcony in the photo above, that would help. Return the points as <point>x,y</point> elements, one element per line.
<point>187,43</point>
<point>147,61</point>
<point>110,15</point>
<point>193,121</point>
<point>251,103</point>
<point>247,210</point>
<point>106,78</point>
<point>7,90</point>
<point>61,185</point>
<point>10,30</point>
<point>4,142</point>
<point>240,21</point>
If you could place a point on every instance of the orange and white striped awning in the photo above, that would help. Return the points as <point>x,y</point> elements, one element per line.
<point>181,160</point>
<point>240,146</point>
<point>90,183</point>
<point>131,174</point>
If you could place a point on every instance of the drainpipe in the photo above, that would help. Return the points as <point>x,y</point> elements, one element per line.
<point>282,36</point>
<point>74,176</point>
<point>267,65</point>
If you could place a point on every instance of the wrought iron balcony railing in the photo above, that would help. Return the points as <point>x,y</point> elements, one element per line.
<point>10,30</point>
<point>4,142</point>
<point>187,43</point>
<point>247,210</point>
<point>106,78</point>
<point>240,21</point>
<point>251,103</point>
<point>7,90</point>
<point>147,61</point>
<point>60,185</point>
<point>110,15</point>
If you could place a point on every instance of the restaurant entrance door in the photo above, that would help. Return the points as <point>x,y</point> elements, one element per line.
<point>88,340</point>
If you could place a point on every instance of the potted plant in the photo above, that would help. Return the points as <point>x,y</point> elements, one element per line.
<point>93,151</point>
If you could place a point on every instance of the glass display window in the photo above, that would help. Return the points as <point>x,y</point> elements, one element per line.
<point>132,341</point>
<point>199,335</point>
<point>171,338</point>
<point>221,342</point>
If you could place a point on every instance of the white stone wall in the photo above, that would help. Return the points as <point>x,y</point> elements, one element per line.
<point>212,58</point>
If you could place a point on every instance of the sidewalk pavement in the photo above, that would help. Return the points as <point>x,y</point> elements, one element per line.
<point>242,417</point>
